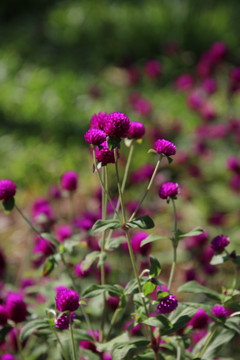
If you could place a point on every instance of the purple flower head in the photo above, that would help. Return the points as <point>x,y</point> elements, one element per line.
<point>98,120</point>
<point>133,75</point>
<point>169,190</point>
<point>69,181</point>
<point>143,106</point>
<point>233,163</point>
<point>117,124</point>
<point>136,240</point>
<point>209,85</point>
<point>67,300</point>
<point>62,323</point>
<point>195,99</point>
<point>107,356</point>
<point>27,282</point>
<point>95,136</point>
<point>167,304</point>
<point>104,155</point>
<point>89,345</point>
<point>136,130</point>
<point>134,330</point>
<point>219,243</point>
<point>184,82</point>
<point>54,191</point>
<point>16,308</point>
<point>81,273</point>
<point>113,302</point>
<point>219,311</point>
<point>207,111</point>
<point>7,356</point>
<point>217,51</point>
<point>165,147</point>
<point>7,189</point>
<point>86,220</point>
<point>43,215</point>
<point>142,174</point>
<point>198,335</point>
<point>234,183</point>
<point>44,247</point>
<point>153,68</point>
<point>3,316</point>
<point>64,232</point>
<point>200,320</point>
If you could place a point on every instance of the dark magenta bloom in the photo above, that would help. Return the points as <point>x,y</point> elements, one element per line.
<point>219,243</point>
<point>169,189</point>
<point>7,356</point>
<point>153,68</point>
<point>67,300</point>
<point>64,232</point>
<point>104,155</point>
<point>89,345</point>
<point>95,136</point>
<point>143,106</point>
<point>207,111</point>
<point>3,316</point>
<point>234,183</point>
<point>200,320</point>
<point>117,125</point>
<point>142,174</point>
<point>136,130</point>
<point>233,163</point>
<point>136,240</point>
<point>62,323</point>
<point>69,181</point>
<point>165,147</point>
<point>16,308</point>
<point>43,247</point>
<point>219,311</point>
<point>79,272</point>
<point>209,85</point>
<point>7,189</point>
<point>195,99</point>
<point>98,120</point>
<point>167,304</point>
<point>184,82</point>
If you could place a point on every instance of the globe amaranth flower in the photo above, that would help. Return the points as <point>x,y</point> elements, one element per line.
<point>89,345</point>
<point>104,155</point>
<point>67,300</point>
<point>136,240</point>
<point>136,130</point>
<point>219,243</point>
<point>200,320</point>
<point>7,356</point>
<point>16,307</point>
<point>117,125</point>
<point>69,181</point>
<point>7,189</point>
<point>167,304</point>
<point>153,68</point>
<point>79,272</point>
<point>64,232</point>
<point>95,136</point>
<point>165,147</point>
<point>219,311</point>
<point>62,323</point>
<point>3,315</point>
<point>98,120</point>
<point>168,190</point>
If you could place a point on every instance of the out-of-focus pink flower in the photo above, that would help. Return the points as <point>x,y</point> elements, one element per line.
<point>153,68</point>
<point>184,82</point>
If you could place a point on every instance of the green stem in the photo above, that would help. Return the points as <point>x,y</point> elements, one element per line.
<point>119,186</point>
<point>178,350</point>
<point>59,342</point>
<point>175,245</point>
<point>19,345</point>
<point>208,340</point>
<point>147,190</point>
<point>103,186</point>
<point>72,339</point>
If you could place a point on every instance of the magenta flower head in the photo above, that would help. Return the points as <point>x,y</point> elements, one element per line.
<point>69,181</point>
<point>167,304</point>
<point>89,345</point>
<point>95,136</point>
<point>79,272</point>
<point>62,323</point>
<point>200,320</point>
<point>7,189</point>
<point>104,155</point>
<point>3,316</point>
<point>98,120</point>
<point>209,85</point>
<point>169,190</point>
<point>184,82</point>
<point>67,300</point>
<point>7,356</point>
<point>219,243</point>
<point>153,68</point>
<point>165,147</point>
<point>64,232</point>
<point>136,240</point>
<point>233,163</point>
<point>117,125</point>
<point>136,130</point>
<point>143,106</point>
<point>219,311</point>
<point>16,308</point>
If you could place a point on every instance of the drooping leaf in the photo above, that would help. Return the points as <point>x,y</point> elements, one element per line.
<point>149,287</point>
<point>196,231</point>
<point>160,321</point>
<point>152,151</point>
<point>102,225</point>
<point>155,268</point>
<point>196,288</point>
<point>89,260</point>
<point>219,259</point>
<point>50,238</point>
<point>142,222</point>
<point>152,238</point>
<point>49,265</point>
<point>95,290</point>
<point>31,326</point>
<point>8,205</point>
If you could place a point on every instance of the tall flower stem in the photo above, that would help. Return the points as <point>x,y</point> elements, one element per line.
<point>59,341</point>
<point>175,245</point>
<point>19,345</point>
<point>103,186</point>
<point>119,186</point>
<point>72,339</point>
<point>208,341</point>
<point>148,188</point>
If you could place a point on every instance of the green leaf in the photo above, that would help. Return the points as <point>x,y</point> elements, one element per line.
<point>177,325</point>
<point>152,238</point>
<point>32,326</point>
<point>159,321</point>
<point>8,205</point>
<point>155,268</point>
<point>142,222</point>
<point>108,346</point>
<point>219,259</point>
<point>102,258</point>
<point>50,238</point>
<point>236,260</point>
<point>82,334</point>
<point>196,288</point>
<point>196,231</point>
<point>169,159</point>
<point>89,260</point>
<point>49,265</point>
<point>149,287</point>
<point>95,290</point>
<point>4,331</point>
<point>102,225</point>
<point>114,243</point>
<point>152,151</point>
<point>113,142</point>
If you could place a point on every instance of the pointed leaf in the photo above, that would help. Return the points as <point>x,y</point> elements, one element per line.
<point>89,260</point>
<point>155,268</point>
<point>219,259</point>
<point>152,238</point>
<point>196,231</point>
<point>8,205</point>
<point>32,326</point>
<point>149,287</point>
<point>142,222</point>
<point>114,243</point>
<point>50,238</point>
<point>152,151</point>
<point>102,225</point>
<point>49,265</point>
<point>196,288</point>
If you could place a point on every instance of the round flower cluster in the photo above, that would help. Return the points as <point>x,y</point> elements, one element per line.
<point>16,308</point>
<point>200,320</point>
<point>104,155</point>
<point>7,189</point>
<point>165,147</point>
<point>95,136</point>
<point>69,181</point>
<point>168,189</point>
<point>7,356</point>
<point>67,300</point>
<point>62,323</point>
<point>89,345</point>
<point>136,130</point>
<point>219,243</point>
<point>98,120</point>
<point>117,125</point>
<point>219,311</point>
<point>167,304</point>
